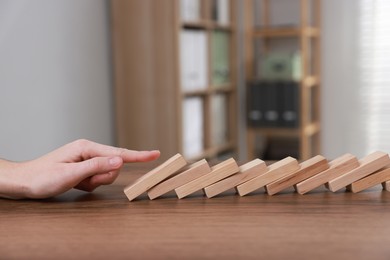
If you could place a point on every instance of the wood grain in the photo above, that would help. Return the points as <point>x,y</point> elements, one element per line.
<point>275,171</point>
<point>104,224</point>
<point>155,176</point>
<point>376,178</point>
<point>193,172</point>
<point>338,167</point>
<point>307,169</point>
<point>367,165</point>
<point>246,172</point>
<point>218,172</point>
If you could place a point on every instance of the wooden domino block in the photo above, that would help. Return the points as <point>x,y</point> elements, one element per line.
<point>307,169</point>
<point>246,172</point>
<point>367,165</point>
<point>155,176</point>
<point>276,171</point>
<point>386,185</point>
<point>191,173</point>
<point>376,178</point>
<point>218,172</point>
<point>337,167</point>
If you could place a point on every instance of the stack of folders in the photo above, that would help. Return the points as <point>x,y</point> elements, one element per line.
<point>193,60</point>
<point>190,10</point>
<point>273,104</point>
<point>193,137</point>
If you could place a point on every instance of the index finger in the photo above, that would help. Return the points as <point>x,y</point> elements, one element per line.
<point>90,149</point>
<point>83,149</point>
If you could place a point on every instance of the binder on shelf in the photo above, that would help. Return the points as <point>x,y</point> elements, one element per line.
<point>273,104</point>
<point>256,107</point>
<point>290,105</point>
<point>190,10</point>
<point>193,127</point>
<point>220,58</point>
<point>193,60</point>
<point>220,12</point>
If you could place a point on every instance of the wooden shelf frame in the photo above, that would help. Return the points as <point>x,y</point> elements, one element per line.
<point>229,90</point>
<point>286,32</point>
<point>308,131</point>
<point>147,84</point>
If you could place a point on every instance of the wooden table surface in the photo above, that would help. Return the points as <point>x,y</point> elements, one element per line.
<point>105,225</point>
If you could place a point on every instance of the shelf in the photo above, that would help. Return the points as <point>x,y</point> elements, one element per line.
<point>196,25</point>
<point>276,131</point>
<point>286,32</point>
<point>214,151</point>
<point>222,88</point>
<point>310,81</point>
<point>308,130</point>
<point>227,88</point>
<point>201,92</point>
<point>312,129</point>
<point>207,25</point>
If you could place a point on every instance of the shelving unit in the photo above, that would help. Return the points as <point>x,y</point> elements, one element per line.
<point>150,93</point>
<point>308,33</point>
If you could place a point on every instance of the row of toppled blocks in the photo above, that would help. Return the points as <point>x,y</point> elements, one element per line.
<point>345,171</point>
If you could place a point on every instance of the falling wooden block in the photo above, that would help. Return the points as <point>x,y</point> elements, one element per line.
<point>376,178</point>
<point>246,172</point>
<point>155,176</point>
<point>367,165</point>
<point>193,172</point>
<point>337,167</point>
<point>386,185</point>
<point>276,171</point>
<point>307,169</point>
<point>218,172</point>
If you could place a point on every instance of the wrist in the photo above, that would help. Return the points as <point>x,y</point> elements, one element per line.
<point>11,184</point>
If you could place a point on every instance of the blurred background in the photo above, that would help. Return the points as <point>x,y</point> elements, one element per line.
<point>206,78</point>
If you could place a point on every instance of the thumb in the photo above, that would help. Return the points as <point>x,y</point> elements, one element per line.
<point>97,165</point>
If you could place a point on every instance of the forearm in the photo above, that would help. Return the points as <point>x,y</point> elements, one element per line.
<point>10,185</point>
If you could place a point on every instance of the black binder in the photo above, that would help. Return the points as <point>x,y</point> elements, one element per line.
<point>272,104</point>
<point>255,102</point>
<point>290,105</point>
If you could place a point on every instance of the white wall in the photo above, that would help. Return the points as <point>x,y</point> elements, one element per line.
<point>341,120</point>
<point>55,80</point>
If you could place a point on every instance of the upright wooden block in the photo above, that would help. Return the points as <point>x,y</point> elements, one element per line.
<point>246,172</point>
<point>218,172</point>
<point>155,176</point>
<point>276,171</point>
<point>307,169</point>
<point>337,167</point>
<point>376,178</point>
<point>369,164</point>
<point>193,172</point>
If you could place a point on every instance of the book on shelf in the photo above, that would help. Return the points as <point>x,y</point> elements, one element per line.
<point>221,12</point>
<point>219,119</point>
<point>193,59</point>
<point>220,57</point>
<point>193,137</point>
<point>273,104</point>
<point>190,10</point>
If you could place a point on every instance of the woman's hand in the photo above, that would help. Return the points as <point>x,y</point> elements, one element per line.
<point>82,164</point>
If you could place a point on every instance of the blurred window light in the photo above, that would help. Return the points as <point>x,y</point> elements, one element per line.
<point>374,66</point>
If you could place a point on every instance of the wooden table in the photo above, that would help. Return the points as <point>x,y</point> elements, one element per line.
<point>105,225</point>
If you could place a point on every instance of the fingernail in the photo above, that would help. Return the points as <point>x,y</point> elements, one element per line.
<point>114,161</point>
